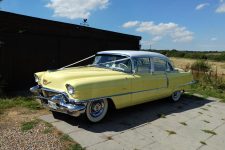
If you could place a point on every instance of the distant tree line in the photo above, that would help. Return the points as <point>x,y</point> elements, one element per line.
<point>210,55</point>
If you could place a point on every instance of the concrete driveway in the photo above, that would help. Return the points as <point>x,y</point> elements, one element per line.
<point>191,124</point>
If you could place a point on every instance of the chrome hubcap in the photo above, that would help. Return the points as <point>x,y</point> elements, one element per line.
<point>176,95</point>
<point>96,108</point>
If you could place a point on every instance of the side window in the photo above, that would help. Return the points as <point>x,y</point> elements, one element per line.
<point>159,64</point>
<point>142,65</point>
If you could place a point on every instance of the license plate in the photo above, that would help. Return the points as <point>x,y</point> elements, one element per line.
<point>52,105</point>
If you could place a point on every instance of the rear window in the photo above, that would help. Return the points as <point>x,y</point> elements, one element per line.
<point>159,64</point>
<point>142,65</point>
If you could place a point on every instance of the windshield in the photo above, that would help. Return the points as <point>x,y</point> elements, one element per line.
<point>114,62</point>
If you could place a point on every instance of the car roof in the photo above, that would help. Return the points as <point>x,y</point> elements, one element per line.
<point>133,53</point>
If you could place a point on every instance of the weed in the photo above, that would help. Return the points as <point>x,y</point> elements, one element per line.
<point>161,115</point>
<point>48,124</point>
<point>201,65</point>
<point>171,132</point>
<point>109,138</point>
<point>75,147</point>
<point>66,137</point>
<point>206,121</point>
<point>29,125</point>
<point>48,130</point>
<point>27,102</point>
<point>204,109</point>
<point>203,143</point>
<point>183,123</point>
<point>209,132</point>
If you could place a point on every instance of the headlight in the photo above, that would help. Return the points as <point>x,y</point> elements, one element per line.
<point>36,78</point>
<point>70,89</point>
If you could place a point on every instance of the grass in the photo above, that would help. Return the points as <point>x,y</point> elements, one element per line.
<point>66,137</point>
<point>203,143</point>
<point>29,125</point>
<point>28,122</point>
<point>27,102</point>
<point>204,109</point>
<point>71,145</point>
<point>48,130</point>
<point>183,123</point>
<point>109,138</point>
<point>48,124</point>
<point>201,65</point>
<point>161,115</point>
<point>209,74</point>
<point>206,121</point>
<point>171,132</point>
<point>208,91</point>
<point>209,132</point>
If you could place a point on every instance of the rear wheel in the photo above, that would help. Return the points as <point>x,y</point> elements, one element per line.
<point>176,96</point>
<point>97,110</point>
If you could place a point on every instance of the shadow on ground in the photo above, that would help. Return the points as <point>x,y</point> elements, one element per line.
<point>120,120</point>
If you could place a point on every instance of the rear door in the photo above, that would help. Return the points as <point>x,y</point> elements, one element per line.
<point>147,84</point>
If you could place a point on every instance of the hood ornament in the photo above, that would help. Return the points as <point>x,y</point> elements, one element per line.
<point>45,82</point>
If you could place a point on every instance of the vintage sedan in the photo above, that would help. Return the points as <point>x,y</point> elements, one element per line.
<point>118,78</point>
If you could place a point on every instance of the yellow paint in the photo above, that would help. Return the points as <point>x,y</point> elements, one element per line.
<point>124,89</point>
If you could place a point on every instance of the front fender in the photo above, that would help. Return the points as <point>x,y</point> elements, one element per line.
<point>98,87</point>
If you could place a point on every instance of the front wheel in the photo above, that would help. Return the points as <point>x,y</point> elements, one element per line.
<point>176,96</point>
<point>96,110</point>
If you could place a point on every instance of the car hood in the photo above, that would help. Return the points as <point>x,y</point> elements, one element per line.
<point>57,79</point>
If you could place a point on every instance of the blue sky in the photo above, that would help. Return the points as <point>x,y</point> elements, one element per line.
<point>163,24</point>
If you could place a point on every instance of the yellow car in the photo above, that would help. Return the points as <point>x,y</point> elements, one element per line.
<point>118,78</point>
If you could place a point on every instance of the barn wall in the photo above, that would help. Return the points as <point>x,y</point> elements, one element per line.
<point>29,45</point>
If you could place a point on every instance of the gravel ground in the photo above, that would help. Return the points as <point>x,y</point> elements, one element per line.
<point>13,138</point>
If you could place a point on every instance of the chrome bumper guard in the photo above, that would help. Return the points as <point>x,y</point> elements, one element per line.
<point>58,102</point>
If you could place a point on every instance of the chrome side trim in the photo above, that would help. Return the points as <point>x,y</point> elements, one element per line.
<point>97,98</point>
<point>121,94</point>
<point>189,83</point>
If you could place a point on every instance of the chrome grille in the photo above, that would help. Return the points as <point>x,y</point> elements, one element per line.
<point>49,94</point>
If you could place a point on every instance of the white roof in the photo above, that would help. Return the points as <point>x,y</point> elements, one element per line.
<point>131,53</point>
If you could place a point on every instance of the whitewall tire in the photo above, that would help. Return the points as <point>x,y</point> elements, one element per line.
<point>97,110</point>
<point>176,96</point>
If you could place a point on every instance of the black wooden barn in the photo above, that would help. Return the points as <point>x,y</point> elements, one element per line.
<point>29,45</point>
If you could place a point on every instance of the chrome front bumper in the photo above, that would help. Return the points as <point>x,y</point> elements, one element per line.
<point>58,101</point>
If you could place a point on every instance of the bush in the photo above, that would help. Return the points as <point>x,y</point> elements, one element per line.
<point>200,65</point>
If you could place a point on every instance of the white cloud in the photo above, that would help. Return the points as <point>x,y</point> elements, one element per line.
<point>221,8</point>
<point>213,39</point>
<point>155,29</point>
<point>221,1</point>
<point>201,6</point>
<point>156,38</point>
<point>181,34</point>
<point>161,30</point>
<point>74,9</point>
<point>130,24</point>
